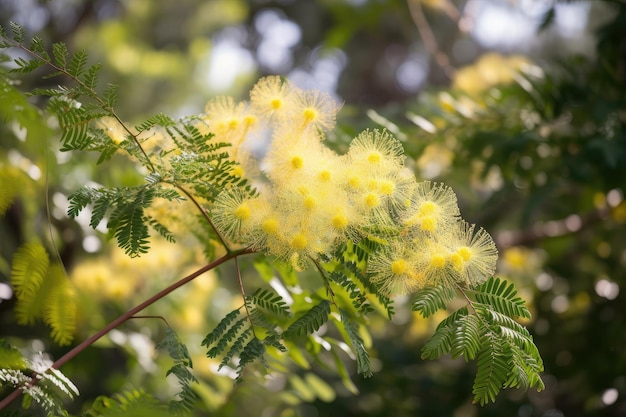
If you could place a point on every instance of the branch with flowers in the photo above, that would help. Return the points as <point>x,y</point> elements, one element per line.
<point>264,182</point>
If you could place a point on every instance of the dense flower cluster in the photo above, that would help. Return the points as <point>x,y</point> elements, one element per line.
<point>311,199</point>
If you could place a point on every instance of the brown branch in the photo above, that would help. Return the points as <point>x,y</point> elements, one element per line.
<point>124,317</point>
<point>554,228</point>
<point>428,37</point>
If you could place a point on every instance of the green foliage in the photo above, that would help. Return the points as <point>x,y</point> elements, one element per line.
<point>310,321</point>
<point>43,291</point>
<point>505,353</point>
<point>502,296</point>
<point>362,357</point>
<point>182,369</point>
<point>132,402</point>
<point>47,387</point>
<point>430,299</point>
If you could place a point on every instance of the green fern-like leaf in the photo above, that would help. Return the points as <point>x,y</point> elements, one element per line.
<point>80,199</point>
<point>11,357</point>
<point>441,341</point>
<point>128,222</point>
<point>10,188</point>
<point>439,344</point>
<point>59,51</point>
<point>310,321</point>
<point>362,356</point>
<point>231,334</point>
<point>502,296</point>
<point>130,403</point>
<point>270,301</point>
<point>182,370</point>
<point>221,328</point>
<point>236,348</point>
<point>431,299</point>
<point>466,337</point>
<point>59,311</point>
<point>77,64</point>
<point>252,351</point>
<point>30,265</point>
<point>493,368</point>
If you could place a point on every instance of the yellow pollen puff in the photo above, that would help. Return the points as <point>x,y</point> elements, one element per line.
<point>457,261</point>
<point>309,114</point>
<point>310,202</point>
<point>238,171</point>
<point>250,120</point>
<point>399,266</point>
<point>374,157</point>
<point>438,261</point>
<point>371,200</point>
<point>233,123</point>
<point>325,175</point>
<point>299,241</point>
<point>340,222</point>
<point>465,253</point>
<point>427,208</point>
<point>243,212</point>
<point>387,187</point>
<point>270,226</point>
<point>276,104</point>
<point>297,162</point>
<point>354,182</point>
<point>429,224</point>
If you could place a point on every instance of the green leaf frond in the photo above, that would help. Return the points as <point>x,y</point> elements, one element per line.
<point>125,208</point>
<point>431,299</point>
<point>216,335</point>
<point>270,301</point>
<point>486,331</point>
<point>29,268</point>
<point>11,182</point>
<point>132,402</point>
<point>351,275</point>
<point>59,311</point>
<point>43,291</point>
<point>11,357</point>
<point>356,341</point>
<point>310,321</point>
<point>182,369</point>
<point>502,296</point>
<point>493,368</point>
<point>52,387</point>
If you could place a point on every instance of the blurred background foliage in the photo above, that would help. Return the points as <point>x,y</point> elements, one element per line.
<point>519,105</point>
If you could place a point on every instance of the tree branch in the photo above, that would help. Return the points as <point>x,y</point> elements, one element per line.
<point>126,316</point>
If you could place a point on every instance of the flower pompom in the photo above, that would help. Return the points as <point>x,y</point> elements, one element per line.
<point>433,207</point>
<point>271,96</point>
<point>474,254</point>
<point>312,108</point>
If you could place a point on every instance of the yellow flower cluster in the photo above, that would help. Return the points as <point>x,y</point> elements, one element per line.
<point>311,199</point>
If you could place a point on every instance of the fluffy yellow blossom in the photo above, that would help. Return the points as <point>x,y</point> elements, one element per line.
<point>474,254</point>
<point>311,200</point>
<point>315,109</point>
<point>395,270</point>
<point>433,207</point>
<point>271,96</point>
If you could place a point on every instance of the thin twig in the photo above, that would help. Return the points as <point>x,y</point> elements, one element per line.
<point>205,215</point>
<point>243,295</point>
<point>428,37</point>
